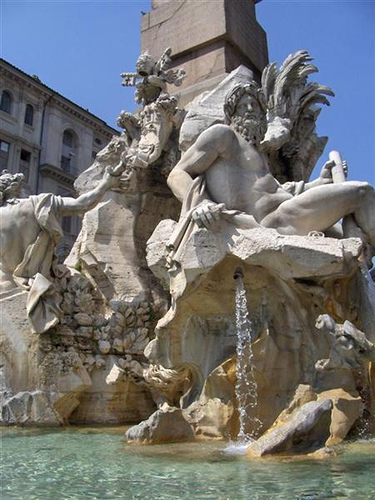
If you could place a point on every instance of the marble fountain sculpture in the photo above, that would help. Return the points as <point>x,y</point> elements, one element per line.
<point>145,324</point>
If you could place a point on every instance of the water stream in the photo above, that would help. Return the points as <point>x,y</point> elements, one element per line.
<point>367,302</point>
<point>246,386</point>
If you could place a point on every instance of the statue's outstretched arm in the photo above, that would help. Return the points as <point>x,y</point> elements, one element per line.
<point>87,201</point>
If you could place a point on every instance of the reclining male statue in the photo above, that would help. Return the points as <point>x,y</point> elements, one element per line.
<point>29,233</point>
<point>225,174</point>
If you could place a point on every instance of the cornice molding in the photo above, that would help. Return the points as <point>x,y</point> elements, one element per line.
<point>47,170</point>
<point>16,75</point>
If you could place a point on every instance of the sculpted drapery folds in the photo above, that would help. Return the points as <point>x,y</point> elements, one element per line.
<point>30,231</point>
<point>226,173</point>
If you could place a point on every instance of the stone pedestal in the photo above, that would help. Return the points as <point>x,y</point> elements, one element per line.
<point>289,282</point>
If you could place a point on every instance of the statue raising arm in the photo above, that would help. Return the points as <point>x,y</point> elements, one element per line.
<point>209,146</point>
<point>90,199</point>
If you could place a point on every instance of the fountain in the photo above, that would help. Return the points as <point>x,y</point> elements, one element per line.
<point>140,325</point>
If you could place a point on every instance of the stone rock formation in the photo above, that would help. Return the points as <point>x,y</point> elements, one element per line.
<point>310,424</point>
<point>145,325</point>
<point>101,307</point>
<point>166,425</point>
<point>295,262</point>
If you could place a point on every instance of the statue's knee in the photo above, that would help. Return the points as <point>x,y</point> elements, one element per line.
<point>363,188</point>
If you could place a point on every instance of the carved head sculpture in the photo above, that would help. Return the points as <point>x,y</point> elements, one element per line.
<point>245,110</point>
<point>10,185</point>
<point>145,64</point>
<point>156,119</point>
<point>113,150</point>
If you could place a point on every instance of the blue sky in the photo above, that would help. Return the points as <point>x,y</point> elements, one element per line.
<point>79,48</point>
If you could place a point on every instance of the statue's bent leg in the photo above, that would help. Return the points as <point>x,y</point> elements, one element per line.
<point>320,207</point>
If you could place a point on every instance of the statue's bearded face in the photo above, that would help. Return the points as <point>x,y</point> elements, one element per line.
<point>249,119</point>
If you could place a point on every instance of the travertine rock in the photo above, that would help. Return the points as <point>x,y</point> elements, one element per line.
<point>284,275</point>
<point>29,408</point>
<point>307,430</point>
<point>347,409</point>
<point>304,394</point>
<point>113,397</point>
<point>115,375</point>
<point>166,425</point>
<point>214,414</point>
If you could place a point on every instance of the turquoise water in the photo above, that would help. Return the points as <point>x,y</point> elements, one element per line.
<point>87,463</point>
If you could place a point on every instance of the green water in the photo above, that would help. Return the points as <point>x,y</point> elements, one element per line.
<point>91,463</point>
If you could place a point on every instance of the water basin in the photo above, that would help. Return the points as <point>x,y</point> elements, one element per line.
<point>95,463</point>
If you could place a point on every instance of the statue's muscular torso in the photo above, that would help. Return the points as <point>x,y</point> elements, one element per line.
<point>240,177</point>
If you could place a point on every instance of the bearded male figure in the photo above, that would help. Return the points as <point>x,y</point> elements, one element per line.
<point>29,233</point>
<point>235,180</point>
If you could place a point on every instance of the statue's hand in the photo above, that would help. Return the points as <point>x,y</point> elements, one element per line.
<point>112,176</point>
<point>206,214</point>
<point>326,173</point>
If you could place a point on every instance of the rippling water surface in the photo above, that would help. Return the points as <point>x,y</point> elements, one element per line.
<point>88,463</point>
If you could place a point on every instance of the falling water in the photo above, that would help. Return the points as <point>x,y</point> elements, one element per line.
<point>367,303</point>
<point>246,386</point>
<point>369,282</point>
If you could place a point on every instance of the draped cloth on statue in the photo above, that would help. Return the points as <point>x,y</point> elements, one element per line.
<point>196,196</point>
<point>185,226</point>
<point>35,271</point>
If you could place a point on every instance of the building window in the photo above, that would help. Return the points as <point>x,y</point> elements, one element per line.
<point>68,152</point>
<point>29,115</point>
<point>25,161</point>
<point>4,146</point>
<point>68,139</point>
<point>98,142</point>
<point>6,102</point>
<point>65,163</point>
<point>4,153</point>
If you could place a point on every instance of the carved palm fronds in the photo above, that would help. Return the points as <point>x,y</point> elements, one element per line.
<point>288,95</point>
<point>291,116</point>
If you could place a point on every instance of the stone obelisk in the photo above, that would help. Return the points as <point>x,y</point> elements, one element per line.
<point>209,39</point>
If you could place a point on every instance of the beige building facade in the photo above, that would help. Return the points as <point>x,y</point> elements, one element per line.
<point>47,137</point>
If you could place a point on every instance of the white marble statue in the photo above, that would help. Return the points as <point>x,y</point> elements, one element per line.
<point>154,77</point>
<point>226,173</point>
<point>30,231</point>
